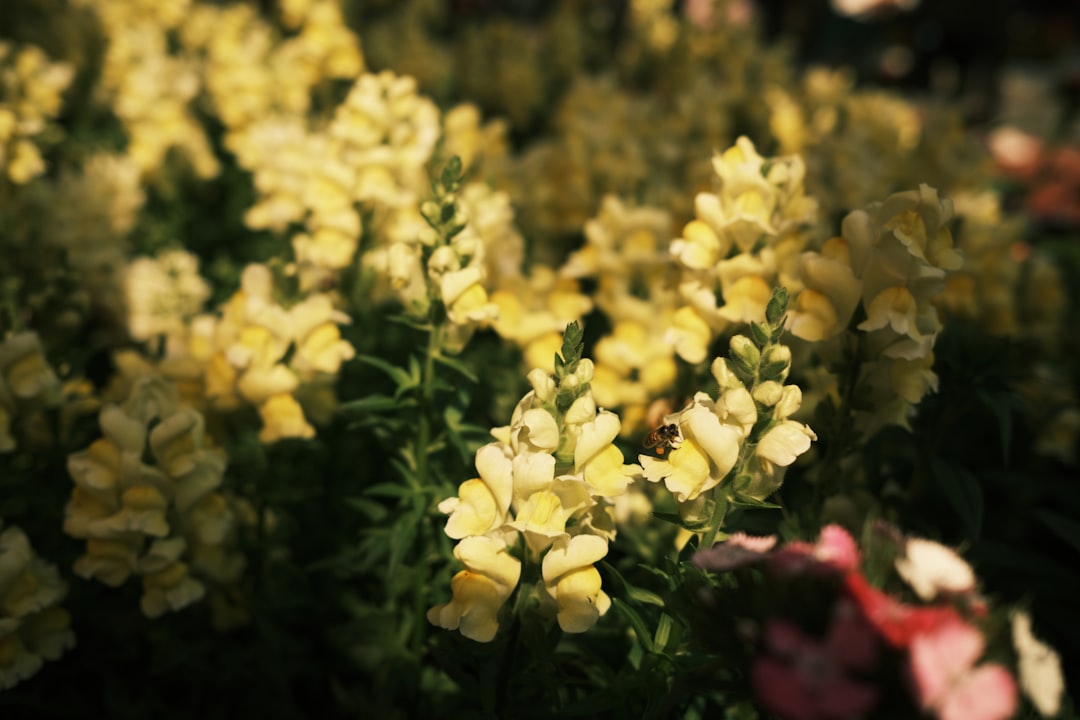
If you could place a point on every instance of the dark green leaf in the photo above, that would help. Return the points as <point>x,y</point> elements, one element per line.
<point>760,334</point>
<point>376,403</point>
<point>640,630</point>
<point>399,376</point>
<point>456,364</point>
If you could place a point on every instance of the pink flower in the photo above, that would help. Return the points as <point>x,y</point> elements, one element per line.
<point>946,681</point>
<point>835,551</point>
<point>801,678</point>
<point>896,622</point>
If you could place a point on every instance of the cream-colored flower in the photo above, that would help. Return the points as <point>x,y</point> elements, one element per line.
<point>930,568</point>
<point>480,590</point>
<point>571,579</point>
<point>482,503</point>
<point>1041,677</point>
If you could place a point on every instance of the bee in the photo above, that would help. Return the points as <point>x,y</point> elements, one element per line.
<point>662,438</point>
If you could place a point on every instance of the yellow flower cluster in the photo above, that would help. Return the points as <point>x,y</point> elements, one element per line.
<point>892,261</point>
<point>746,239</point>
<point>239,356</point>
<point>163,294</point>
<point>30,97</point>
<point>33,626</point>
<point>744,435</point>
<point>160,519</point>
<point>150,89</point>
<point>251,73</point>
<point>626,251</point>
<point>27,383</point>
<point>534,309</point>
<point>549,479</point>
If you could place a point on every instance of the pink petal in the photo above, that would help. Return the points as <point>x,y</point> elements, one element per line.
<point>987,693</point>
<point>837,548</point>
<point>939,659</point>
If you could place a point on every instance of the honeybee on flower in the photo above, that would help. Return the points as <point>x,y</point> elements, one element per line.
<point>663,437</point>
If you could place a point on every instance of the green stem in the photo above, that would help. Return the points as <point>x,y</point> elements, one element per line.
<point>708,539</point>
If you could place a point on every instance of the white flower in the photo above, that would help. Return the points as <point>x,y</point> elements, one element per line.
<point>1040,667</point>
<point>931,568</point>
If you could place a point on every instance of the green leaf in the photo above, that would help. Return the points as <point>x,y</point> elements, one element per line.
<point>663,632</point>
<point>456,364</point>
<point>399,376</point>
<point>388,489</point>
<point>760,333</point>
<point>963,492</point>
<point>376,403</point>
<point>573,343</point>
<point>676,519</point>
<point>641,595</point>
<point>640,630</point>
<point>372,509</point>
<point>774,311</point>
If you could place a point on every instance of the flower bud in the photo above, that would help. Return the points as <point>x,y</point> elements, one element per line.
<point>768,393</point>
<point>789,403</point>
<point>745,354</point>
<point>725,377</point>
<point>542,384</point>
<point>776,363</point>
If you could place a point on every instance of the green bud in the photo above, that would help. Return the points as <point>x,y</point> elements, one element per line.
<point>774,311</point>
<point>744,354</point>
<point>776,363</point>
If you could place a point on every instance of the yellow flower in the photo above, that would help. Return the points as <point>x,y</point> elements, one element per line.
<point>282,417</point>
<point>571,579</point>
<point>480,590</point>
<point>784,442</point>
<point>482,503</point>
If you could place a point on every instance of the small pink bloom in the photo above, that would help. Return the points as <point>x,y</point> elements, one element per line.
<point>946,681</point>
<point>835,551</point>
<point>800,678</point>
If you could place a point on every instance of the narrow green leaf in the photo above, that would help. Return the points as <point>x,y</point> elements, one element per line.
<point>399,376</point>
<point>640,630</point>
<point>760,333</point>
<point>455,364</point>
<point>372,509</point>
<point>675,519</point>
<point>388,489</point>
<point>663,632</point>
<point>641,595</point>
<point>376,403</point>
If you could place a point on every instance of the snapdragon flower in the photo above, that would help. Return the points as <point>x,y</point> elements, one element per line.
<point>733,448</point>
<point>746,238</point>
<point>546,491</point>
<point>164,521</point>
